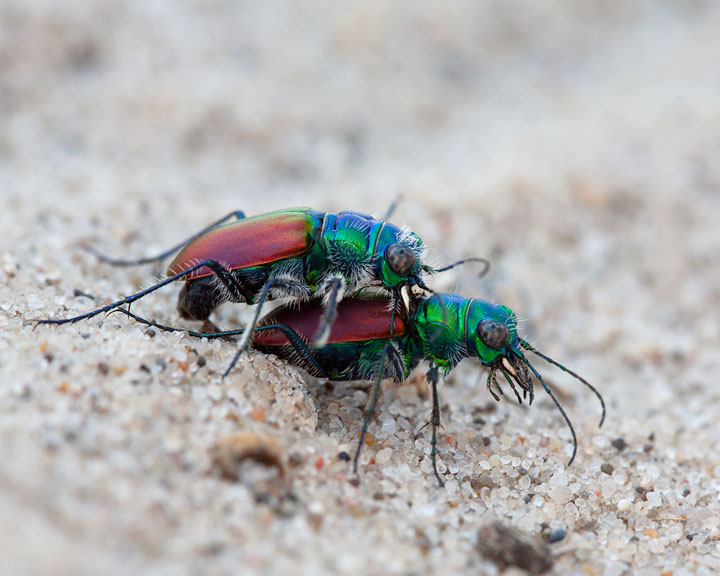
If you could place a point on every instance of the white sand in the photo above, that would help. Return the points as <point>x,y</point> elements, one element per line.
<point>575,145</point>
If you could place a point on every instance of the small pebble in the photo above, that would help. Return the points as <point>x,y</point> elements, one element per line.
<point>607,468</point>
<point>231,452</point>
<point>619,444</point>
<point>505,546</point>
<point>483,481</point>
<point>557,535</point>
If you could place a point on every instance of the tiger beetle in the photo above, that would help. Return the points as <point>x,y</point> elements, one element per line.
<point>297,253</point>
<point>373,338</point>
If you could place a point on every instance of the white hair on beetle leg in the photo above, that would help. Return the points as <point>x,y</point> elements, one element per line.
<point>326,289</point>
<point>289,273</point>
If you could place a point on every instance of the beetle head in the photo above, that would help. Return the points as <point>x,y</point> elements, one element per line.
<point>399,254</point>
<point>491,332</point>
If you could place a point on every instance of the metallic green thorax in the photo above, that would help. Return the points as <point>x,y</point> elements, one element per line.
<point>445,327</point>
<point>356,245</point>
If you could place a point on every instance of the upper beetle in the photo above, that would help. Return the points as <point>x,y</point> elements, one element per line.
<point>297,253</point>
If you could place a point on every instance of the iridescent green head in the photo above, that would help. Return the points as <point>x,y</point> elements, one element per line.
<point>398,255</point>
<point>490,332</point>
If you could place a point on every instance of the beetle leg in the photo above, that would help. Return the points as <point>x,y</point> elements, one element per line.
<point>310,364</point>
<point>238,215</point>
<point>388,351</point>
<point>222,273</point>
<point>250,328</point>
<point>308,361</point>
<point>334,295</point>
<point>209,334</point>
<point>432,376</point>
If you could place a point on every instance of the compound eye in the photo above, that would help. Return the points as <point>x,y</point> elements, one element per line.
<point>492,333</point>
<point>400,259</point>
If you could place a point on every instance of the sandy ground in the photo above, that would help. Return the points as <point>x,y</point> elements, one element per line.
<point>574,144</point>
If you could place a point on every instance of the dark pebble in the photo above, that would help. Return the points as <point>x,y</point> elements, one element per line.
<point>344,456</point>
<point>201,361</point>
<point>619,444</point>
<point>607,468</point>
<point>483,481</point>
<point>557,535</point>
<point>506,546</point>
<point>150,333</point>
<point>296,459</point>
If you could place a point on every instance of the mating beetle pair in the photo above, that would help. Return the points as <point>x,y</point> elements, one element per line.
<point>296,253</point>
<point>302,253</point>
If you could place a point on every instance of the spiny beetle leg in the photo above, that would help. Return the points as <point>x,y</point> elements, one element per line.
<point>328,317</point>
<point>293,338</point>
<point>312,365</point>
<point>388,351</point>
<point>211,334</point>
<point>432,376</point>
<point>224,275</point>
<point>237,214</point>
<point>247,336</point>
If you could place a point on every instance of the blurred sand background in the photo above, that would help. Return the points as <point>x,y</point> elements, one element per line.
<point>575,144</point>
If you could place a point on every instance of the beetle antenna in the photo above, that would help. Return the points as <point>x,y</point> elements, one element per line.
<point>238,215</point>
<point>559,406</point>
<point>527,346</point>
<point>483,261</point>
<point>391,209</point>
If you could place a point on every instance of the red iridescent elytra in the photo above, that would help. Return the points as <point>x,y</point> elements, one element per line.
<point>249,242</point>
<point>358,320</point>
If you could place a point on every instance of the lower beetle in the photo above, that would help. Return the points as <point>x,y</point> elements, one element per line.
<point>373,338</point>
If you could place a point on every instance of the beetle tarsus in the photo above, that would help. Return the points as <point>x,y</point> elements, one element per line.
<point>432,376</point>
